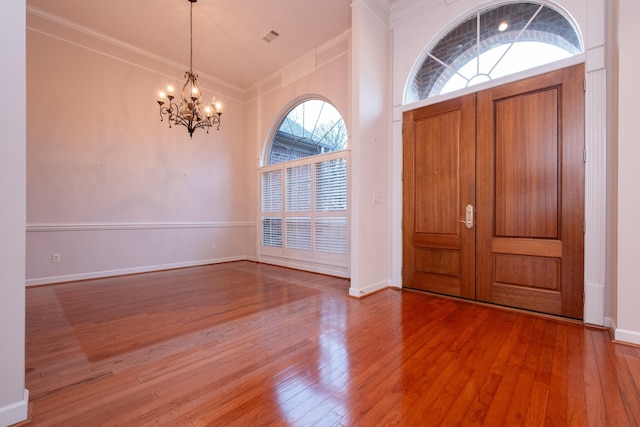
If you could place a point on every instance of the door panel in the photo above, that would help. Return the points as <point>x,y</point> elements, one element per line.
<point>530,189</point>
<point>526,165</point>
<point>439,169</point>
<point>519,149</point>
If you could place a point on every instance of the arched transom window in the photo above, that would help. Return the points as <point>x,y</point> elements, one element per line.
<point>494,42</point>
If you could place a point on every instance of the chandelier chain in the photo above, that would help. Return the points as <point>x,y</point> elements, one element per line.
<point>191,37</point>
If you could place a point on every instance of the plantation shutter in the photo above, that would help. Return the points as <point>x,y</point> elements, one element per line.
<point>331,235</point>
<point>298,202</point>
<point>298,188</point>
<point>272,191</point>
<point>305,217</point>
<point>331,199</point>
<point>331,185</point>
<point>299,233</point>
<point>272,204</point>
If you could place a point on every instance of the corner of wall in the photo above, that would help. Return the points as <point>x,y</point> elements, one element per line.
<point>13,397</point>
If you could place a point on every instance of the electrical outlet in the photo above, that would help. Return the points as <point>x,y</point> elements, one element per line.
<point>56,258</point>
<point>213,245</point>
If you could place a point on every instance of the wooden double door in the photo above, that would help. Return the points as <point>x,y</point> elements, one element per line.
<point>493,195</point>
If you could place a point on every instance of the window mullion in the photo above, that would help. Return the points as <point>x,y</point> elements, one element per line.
<point>313,209</point>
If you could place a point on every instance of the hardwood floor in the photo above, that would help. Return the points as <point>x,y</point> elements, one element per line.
<point>244,344</point>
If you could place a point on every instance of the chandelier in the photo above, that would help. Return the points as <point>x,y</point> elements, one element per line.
<point>191,113</point>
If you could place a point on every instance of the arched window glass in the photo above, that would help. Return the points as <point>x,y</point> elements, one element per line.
<point>311,127</point>
<point>494,42</point>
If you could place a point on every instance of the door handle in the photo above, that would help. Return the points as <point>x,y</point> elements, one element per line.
<point>468,217</point>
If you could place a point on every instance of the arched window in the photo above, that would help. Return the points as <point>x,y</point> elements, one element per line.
<point>312,127</point>
<point>494,42</point>
<point>303,191</point>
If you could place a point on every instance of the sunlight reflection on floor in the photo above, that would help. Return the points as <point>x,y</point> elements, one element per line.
<point>322,388</point>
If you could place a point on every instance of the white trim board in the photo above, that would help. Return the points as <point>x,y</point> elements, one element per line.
<point>360,293</point>
<point>134,270</point>
<point>623,335</point>
<point>48,227</point>
<point>15,412</point>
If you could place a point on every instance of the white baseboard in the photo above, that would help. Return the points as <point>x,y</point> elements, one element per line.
<point>594,297</point>
<point>360,293</point>
<point>622,335</point>
<point>134,270</point>
<point>631,337</point>
<point>330,269</point>
<point>610,323</point>
<point>15,412</point>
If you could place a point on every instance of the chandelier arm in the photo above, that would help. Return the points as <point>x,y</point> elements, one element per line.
<point>180,120</point>
<point>216,119</point>
<point>172,112</point>
<point>166,111</point>
<point>187,74</point>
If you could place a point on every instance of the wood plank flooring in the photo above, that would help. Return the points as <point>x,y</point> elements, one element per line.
<point>245,344</point>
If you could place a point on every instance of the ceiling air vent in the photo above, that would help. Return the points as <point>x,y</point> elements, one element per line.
<point>270,36</point>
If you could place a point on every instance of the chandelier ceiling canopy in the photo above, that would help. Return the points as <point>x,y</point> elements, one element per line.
<point>191,112</point>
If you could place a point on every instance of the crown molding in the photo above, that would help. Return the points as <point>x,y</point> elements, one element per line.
<point>405,9</point>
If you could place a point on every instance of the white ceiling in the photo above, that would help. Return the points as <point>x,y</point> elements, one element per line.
<point>227,34</point>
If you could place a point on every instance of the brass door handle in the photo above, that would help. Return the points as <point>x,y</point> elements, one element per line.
<point>468,217</point>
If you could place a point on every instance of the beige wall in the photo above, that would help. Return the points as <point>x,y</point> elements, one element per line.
<point>628,196</point>
<point>111,188</point>
<point>322,73</point>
